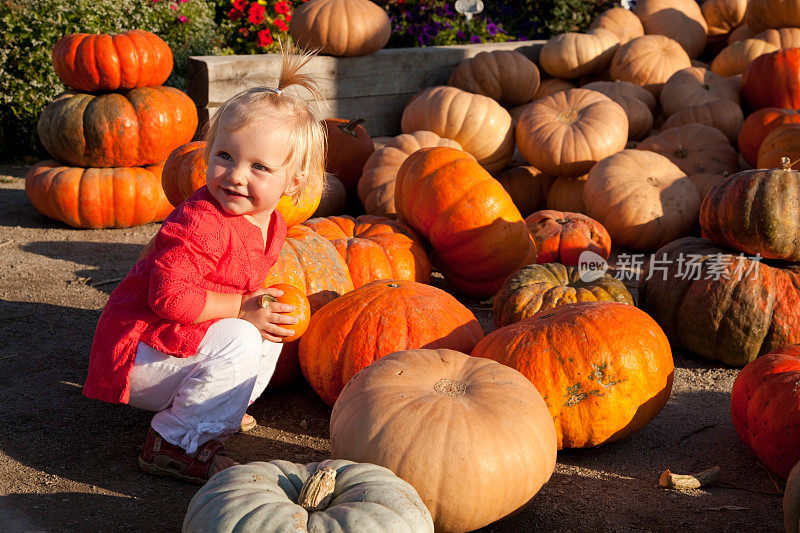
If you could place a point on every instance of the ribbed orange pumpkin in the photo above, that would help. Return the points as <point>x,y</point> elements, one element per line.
<point>773,80</point>
<point>132,128</point>
<point>604,368</point>
<point>375,248</point>
<point>135,58</point>
<point>470,221</point>
<point>503,75</point>
<point>765,408</point>
<point>561,236</point>
<point>97,197</point>
<point>783,141</point>
<point>377,319</point>
<point>185,172</point>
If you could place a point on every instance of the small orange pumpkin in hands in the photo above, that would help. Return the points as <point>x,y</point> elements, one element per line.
<point>302,308</point>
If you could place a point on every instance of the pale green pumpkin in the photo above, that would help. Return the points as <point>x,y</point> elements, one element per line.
<point>262,497</point>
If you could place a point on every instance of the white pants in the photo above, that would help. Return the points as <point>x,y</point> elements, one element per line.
<point>204,397</point>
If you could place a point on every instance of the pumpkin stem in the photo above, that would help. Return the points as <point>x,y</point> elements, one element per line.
<point>568,117</point>
<point>787,164</point>
<point>689,481</point>
<point>350,127</point>
<point>680,151</point>
<point>265,299</point>
<point>450,387</point>
<point>317,491</point>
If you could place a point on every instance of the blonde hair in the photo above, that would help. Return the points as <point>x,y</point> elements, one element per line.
<point>307,138</point>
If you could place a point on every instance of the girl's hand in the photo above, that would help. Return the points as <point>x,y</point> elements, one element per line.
<point>267,316</point>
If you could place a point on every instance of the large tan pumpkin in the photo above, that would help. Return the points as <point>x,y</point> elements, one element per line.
<point>735,57</point>
<point>765,14</point>
<point>695,148</point>
<point>621,21</point>
<point>649,61</point>
<point>340,27</point>
<point>681,20</point>
<point>479,124</point>
<point>572,55</point>
<point>642,199</point>
<point>566,133</point>
<point>781,37</point>
<point>503,75</point>
<point>376,186</point>
<point>695,86</point>
<point>723,115</point>
<point>637,102</point>
<point>472,436</point>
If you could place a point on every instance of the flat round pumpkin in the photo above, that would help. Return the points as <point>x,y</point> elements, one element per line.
<point>765,408</point>
<point>623,22</point>
<point>637,102</point>
<point>265,497</point>
<point>720,305</point>
<point>537,288</point>
<point>694,86</point>
<point>567,133</point>
<point>572,55</point>
<point>724,115</point>
<point>97,197</point>
<point>400,412</point>
<point>132,128</point>
<point>756,212</point>
<point>604,369</point>
<point>506,76</point>
<point>375,248</point>
<point>649,61</point>
<point>735,58</point>
<point>379,318</point>
<point>642,199</point>
<point>479,124</point>
<point>470,221</point>
<point>340,27</point>
<point>695,148</point>
<point>376,185</point>
<point>102,62</point>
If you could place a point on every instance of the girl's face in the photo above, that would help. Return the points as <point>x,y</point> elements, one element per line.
<point>246,171</point>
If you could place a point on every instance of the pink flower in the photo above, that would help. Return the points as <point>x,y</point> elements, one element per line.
<point>182,19</point>
<point>174,7</point>
<point>256,13</point>
<point>264,38</point>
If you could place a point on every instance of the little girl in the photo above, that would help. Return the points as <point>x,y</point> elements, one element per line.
<point>185,333</point>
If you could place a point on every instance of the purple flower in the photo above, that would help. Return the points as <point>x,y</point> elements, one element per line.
<point>475,39</point>
<point>491,28</point>
<point>461,36</point>
<point>521,37</point>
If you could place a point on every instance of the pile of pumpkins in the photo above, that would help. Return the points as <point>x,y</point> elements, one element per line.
<point>500,181</point>
<point>110,132</point>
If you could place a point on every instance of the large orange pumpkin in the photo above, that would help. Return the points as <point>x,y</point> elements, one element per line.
<point>132,128</point>
<point>89,63</point>
<point>97,197</point>
<point>604,368</point>
<point>783,141</point>
<point>382,317</point>
<point>447,423</point>
<point>375,248</point>
<point>468,218</point>
<point>756,127</point>
<point>773,80</point>
<point>765,408</point>
<point>185,172</point>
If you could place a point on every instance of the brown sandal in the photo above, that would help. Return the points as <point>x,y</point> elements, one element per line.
<point>161,458</point>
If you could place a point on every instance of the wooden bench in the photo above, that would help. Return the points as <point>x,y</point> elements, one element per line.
<point>375,87</point>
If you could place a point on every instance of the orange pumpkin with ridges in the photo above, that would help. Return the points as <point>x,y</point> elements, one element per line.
<point>468,218</point>
<point>377,319</point>
<point>562,236</point>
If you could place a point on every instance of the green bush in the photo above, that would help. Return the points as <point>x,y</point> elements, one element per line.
<point>32,27</point>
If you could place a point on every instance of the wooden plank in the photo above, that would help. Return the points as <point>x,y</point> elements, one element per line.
<point>381,114</point>
<point>214,79</point>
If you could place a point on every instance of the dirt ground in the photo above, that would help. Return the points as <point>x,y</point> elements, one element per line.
<point>68,463</point>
